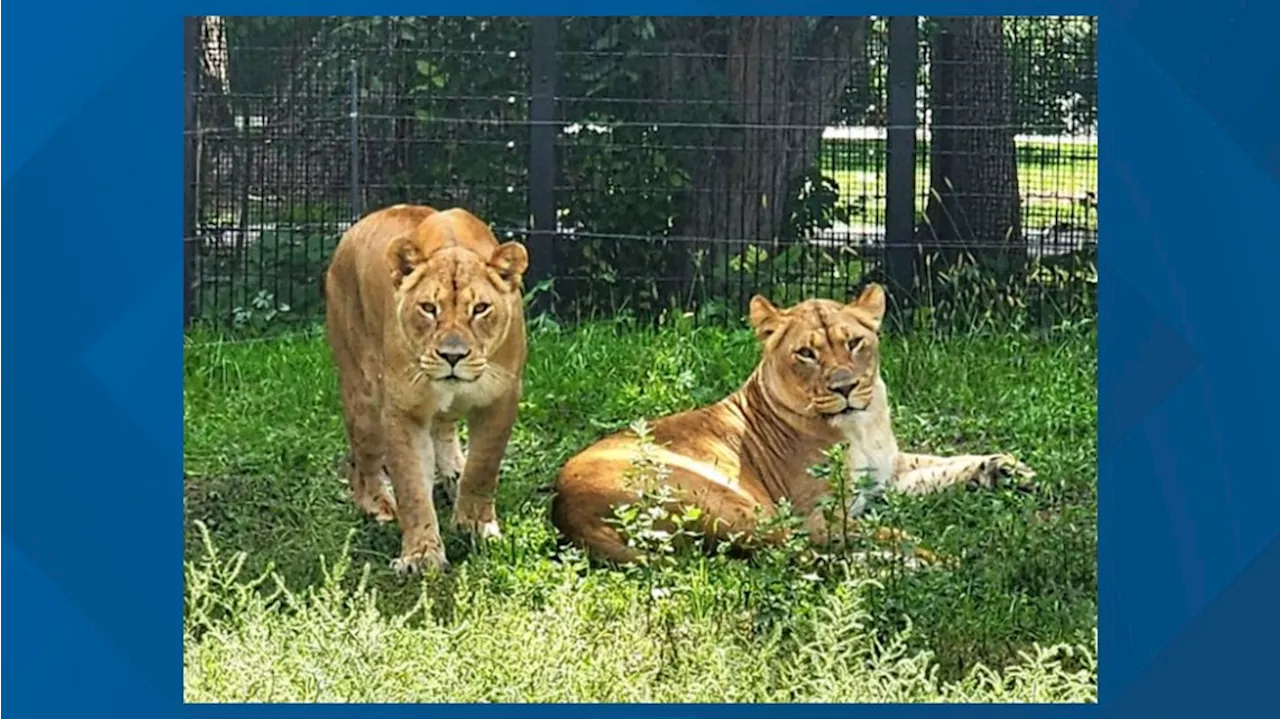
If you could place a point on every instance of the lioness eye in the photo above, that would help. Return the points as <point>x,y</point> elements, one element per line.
<point>806,354</point>
<point>479,309</point>
<point>427,308</point>
<point>854,344</point>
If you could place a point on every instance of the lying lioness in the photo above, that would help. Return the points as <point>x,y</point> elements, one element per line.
<point>426,322</point>
<point>817,384</point>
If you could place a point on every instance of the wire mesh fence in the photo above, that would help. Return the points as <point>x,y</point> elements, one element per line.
<point>654,164</point>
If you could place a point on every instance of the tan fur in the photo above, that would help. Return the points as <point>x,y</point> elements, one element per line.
<point>923,473</point>
<point>872,453</point>
<point>739,458</point>
<point>410,291</point>
<point>817,384</point>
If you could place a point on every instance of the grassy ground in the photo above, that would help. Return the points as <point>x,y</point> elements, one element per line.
<point>1050,176</point>
<point>288,595</point>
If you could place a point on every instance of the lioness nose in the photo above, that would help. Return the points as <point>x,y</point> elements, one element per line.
<point>453,355</point>
<point>842,382</point>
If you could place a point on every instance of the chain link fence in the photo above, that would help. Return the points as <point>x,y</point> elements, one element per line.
<point>654,164</point>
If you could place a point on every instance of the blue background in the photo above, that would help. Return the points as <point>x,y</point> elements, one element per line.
<point>1189,560</point>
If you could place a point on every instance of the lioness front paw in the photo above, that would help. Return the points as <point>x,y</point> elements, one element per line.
<point>428,559</point>
<point>477,517</point>
<point>1001,469</point>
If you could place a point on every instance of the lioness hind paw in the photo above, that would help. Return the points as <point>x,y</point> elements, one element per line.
<point>427,561</point>
<point>1003,469</point>
<point>918,560</point>
<point>448,487</point>
<point>479,529</point>
<point>476,516</point>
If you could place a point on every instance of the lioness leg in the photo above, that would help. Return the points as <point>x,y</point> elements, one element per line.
<point>411,459</point>
<point>489,433</point>
<point>923,474</point>
<point>362,416</point>
<point>449,456</point>
<point>906,461</point>
<point>606,543</point>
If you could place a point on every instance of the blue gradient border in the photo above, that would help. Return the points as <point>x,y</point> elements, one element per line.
<point>91,174</point>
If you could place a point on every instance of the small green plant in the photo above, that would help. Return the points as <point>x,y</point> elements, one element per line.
<point>657,525</point>
<point>818,204</point>
<point>261,314</point>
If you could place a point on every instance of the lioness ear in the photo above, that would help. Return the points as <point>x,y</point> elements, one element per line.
<point>869,307</point>
<point>404,256</point>
<point>765,318</point>
<point>510,260</point>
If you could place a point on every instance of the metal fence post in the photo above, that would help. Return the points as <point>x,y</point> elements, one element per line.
<point>190,70</point>
<point>542,149</point>
<point>356,203</point>
<point>900,160</point>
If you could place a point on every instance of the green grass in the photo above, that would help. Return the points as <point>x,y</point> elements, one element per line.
<point>1045,169</point>
<point>288,595</point>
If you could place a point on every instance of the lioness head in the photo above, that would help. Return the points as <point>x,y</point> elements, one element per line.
<point>821,358</point>
<point>453,304</point>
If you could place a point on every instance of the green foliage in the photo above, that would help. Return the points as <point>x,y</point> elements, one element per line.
<point>444,111</point>
<point>564,635</point>
<point>1053,62</point>
<point>620,213</point>
<point>1054,68</point>
<point>275,281</point>
<point>818,205</point>
<point>968,297</point>
<point>288,596</point>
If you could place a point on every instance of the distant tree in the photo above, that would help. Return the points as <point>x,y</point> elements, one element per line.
<point>974,206</point>
<point>727,136</point>
<point>704,127</point>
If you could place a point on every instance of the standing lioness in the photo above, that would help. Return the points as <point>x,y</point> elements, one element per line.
<point>426,322</point>
<point>817,384</point>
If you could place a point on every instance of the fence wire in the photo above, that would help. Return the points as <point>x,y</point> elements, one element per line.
<point>654,164</point>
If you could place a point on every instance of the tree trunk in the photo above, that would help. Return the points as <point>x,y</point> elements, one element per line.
<point>213,53</point>
<point>213,106</point>
<point>785,83</point>
<point>974,205</point>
